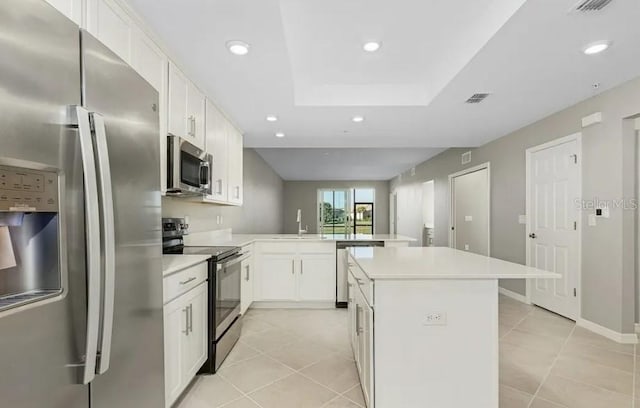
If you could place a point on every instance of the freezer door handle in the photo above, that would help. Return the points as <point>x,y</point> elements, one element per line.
<point>92,233</point>
<point>108,229</point>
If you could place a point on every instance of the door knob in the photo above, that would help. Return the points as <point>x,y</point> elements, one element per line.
<point>533,235</point>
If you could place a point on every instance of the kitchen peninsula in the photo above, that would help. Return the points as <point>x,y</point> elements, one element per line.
<point>433,340</point>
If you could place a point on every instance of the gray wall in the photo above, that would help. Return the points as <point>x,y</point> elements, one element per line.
<point>261,212</point>
<point>304,195</point>
<point>608,173</point>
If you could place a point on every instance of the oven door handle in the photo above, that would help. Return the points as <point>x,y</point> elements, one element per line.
<point>236,259</point>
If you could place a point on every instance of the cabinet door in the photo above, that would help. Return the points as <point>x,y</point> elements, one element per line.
<point>246,289</point>
<point>317,279</point>
<point>235,164</point>
<point>278,277</point>
<point>175,328</point>
<point>152,64</point>
<point>110,24</point>
<point>196,344</point>
<point>70,8</point>
<point>216,142</point>
<point>177,101</point>
<point>351,312</point>
<point>366,353</point>
<point>195,115</point>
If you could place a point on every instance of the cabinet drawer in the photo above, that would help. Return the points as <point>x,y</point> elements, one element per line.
<point>185,280</point>
<point>317,248</point>
<point>362,281</point>
<point>276,247</point>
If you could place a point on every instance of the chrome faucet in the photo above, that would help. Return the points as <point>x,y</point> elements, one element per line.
<point>299,221</point>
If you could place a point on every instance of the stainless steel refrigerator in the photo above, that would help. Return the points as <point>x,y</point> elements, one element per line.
<point>80,210</point>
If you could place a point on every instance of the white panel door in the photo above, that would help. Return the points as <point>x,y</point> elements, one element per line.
<point>195,115</point>
<point>175,329</point>
<point>216,143</point>
<point>470,212</point>
<point>177,102</point>
<point>109,23</point>
<point>553,183</point>
<point>317,279</point>
<point>70,8</point>
<point>278,277</point>
<point>152,64</point>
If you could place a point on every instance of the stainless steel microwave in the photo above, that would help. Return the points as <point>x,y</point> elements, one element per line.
<point>188,168</point>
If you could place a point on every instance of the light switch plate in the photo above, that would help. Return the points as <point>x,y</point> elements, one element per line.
<point>468,218</point>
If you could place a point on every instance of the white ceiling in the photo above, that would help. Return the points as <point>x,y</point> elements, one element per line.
<point>344,164</point>
<point>307,67</point>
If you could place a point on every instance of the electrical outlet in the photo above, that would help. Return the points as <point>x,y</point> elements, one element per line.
<point>435,319</point>
<point>468,218</point>
<point>466,247</point>
<point>217,220</point>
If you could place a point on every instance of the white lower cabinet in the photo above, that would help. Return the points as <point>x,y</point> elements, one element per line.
<point>361,336</point>
<point>185,338</point>
<point>295,272</point>
<point>246,287</point>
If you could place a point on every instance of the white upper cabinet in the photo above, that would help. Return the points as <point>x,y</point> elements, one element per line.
<point>70,8</point>
<point>109,23</point>
<point>216,130</point>
<point>152,64</point>
<point>186,108</point>
<point>235,157</point>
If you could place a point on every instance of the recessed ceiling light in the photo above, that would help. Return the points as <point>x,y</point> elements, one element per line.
<point>596,48</point>
<point>280,134</point>
<point>272,118</point>
<point>358,119</point>
<point>238,47</point>
<point>371,46</point>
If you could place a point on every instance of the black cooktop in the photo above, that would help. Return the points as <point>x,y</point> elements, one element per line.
<point>217,252</point>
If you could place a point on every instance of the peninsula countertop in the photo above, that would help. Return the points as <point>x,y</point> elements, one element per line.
<point>216,238</point>
<point>438,263</point>
<point>176,263</point>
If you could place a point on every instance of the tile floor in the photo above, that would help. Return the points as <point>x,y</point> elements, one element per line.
<point>302,359</point>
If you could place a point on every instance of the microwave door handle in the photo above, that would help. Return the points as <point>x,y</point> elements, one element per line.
<point>108,225</point>
<point>92,236</point>
<point>204,175</point>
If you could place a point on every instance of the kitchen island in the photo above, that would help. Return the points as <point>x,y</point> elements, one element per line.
<point>423,323</point>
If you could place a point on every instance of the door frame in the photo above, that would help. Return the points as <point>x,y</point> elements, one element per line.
<point>487,166</point>
<point>577,137</point>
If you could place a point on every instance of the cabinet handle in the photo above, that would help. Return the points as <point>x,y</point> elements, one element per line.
<point>293,266</point>
<point>188,280</point>
<point>357,320</point>
<point>219,186</point>
<point>247,273</point>
<point>192,126</point>
<point>301,267</point>
<point>238,192</point>
<point>186,320</point>
<point>190,317</point>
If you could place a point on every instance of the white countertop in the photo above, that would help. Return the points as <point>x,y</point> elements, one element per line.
<point>439,263</point>
<point>215,238</point>
<point>176,263</point>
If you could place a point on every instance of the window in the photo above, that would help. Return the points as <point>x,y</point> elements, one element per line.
<point>346,211</point>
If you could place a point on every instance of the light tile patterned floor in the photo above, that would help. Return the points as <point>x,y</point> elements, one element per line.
<point>302,359</point>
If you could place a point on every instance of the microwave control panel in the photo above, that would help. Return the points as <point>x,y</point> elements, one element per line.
<point>27,190</point>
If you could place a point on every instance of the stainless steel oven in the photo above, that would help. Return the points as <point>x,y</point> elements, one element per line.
<point>188,168</point>
<point>227,292</point>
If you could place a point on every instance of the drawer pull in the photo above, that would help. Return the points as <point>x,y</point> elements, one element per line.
<point>188,280</point>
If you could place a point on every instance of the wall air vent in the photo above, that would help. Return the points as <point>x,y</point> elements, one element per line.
<point>591,5</point>
<point>477,98</point>
<point>466,157</point>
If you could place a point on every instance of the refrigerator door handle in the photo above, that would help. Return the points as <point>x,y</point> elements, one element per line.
<point>108,228</point>
<point>92,228</point>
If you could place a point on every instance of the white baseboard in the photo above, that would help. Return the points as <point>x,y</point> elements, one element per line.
<point>513,295</point>
<point>624,338</point>
<point>292,305</point>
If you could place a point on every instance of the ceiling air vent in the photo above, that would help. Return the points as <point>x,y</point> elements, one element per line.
<point>477,98</point>
<point>591,5</point>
